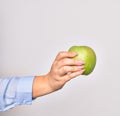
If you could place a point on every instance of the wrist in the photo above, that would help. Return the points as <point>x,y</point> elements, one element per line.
<point>41,86</point>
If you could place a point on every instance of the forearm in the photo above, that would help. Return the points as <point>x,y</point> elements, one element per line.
<point>41,86</point>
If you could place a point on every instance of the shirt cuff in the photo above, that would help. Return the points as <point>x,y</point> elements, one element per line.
<point>24,90</point>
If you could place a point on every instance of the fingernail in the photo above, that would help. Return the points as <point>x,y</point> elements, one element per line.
<point>82,70</point>
<point>81,62</point>
<point>80,67</point>
<point>74,53</point>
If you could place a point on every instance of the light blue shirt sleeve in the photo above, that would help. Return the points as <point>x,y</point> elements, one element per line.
<point>15,91</point>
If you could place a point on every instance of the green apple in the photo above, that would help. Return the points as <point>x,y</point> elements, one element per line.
<point>87,55</point>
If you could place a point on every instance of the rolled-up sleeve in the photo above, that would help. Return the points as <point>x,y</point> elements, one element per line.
<point>15,91</point>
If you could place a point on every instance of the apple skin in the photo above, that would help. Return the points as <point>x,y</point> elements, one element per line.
<point>87,55</point>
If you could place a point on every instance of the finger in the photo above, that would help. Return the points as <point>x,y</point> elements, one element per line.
<point>69,69</point>
<point>69,62</point>
<point>64,54</point>
<point>70,76</point>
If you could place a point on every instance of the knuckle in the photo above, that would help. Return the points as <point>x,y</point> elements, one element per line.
<point>75,61</point>
<point>72,62</point>
<point>55,71</point>
<point>68,77</point>
<point>63,61</point>
<point>60,53</point>
<point>64,69</point>
<point>73,68</point>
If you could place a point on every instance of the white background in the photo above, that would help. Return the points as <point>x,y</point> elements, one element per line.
<point>32,32</point>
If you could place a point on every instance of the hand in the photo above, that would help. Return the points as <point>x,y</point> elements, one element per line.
<point>64,69</point>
